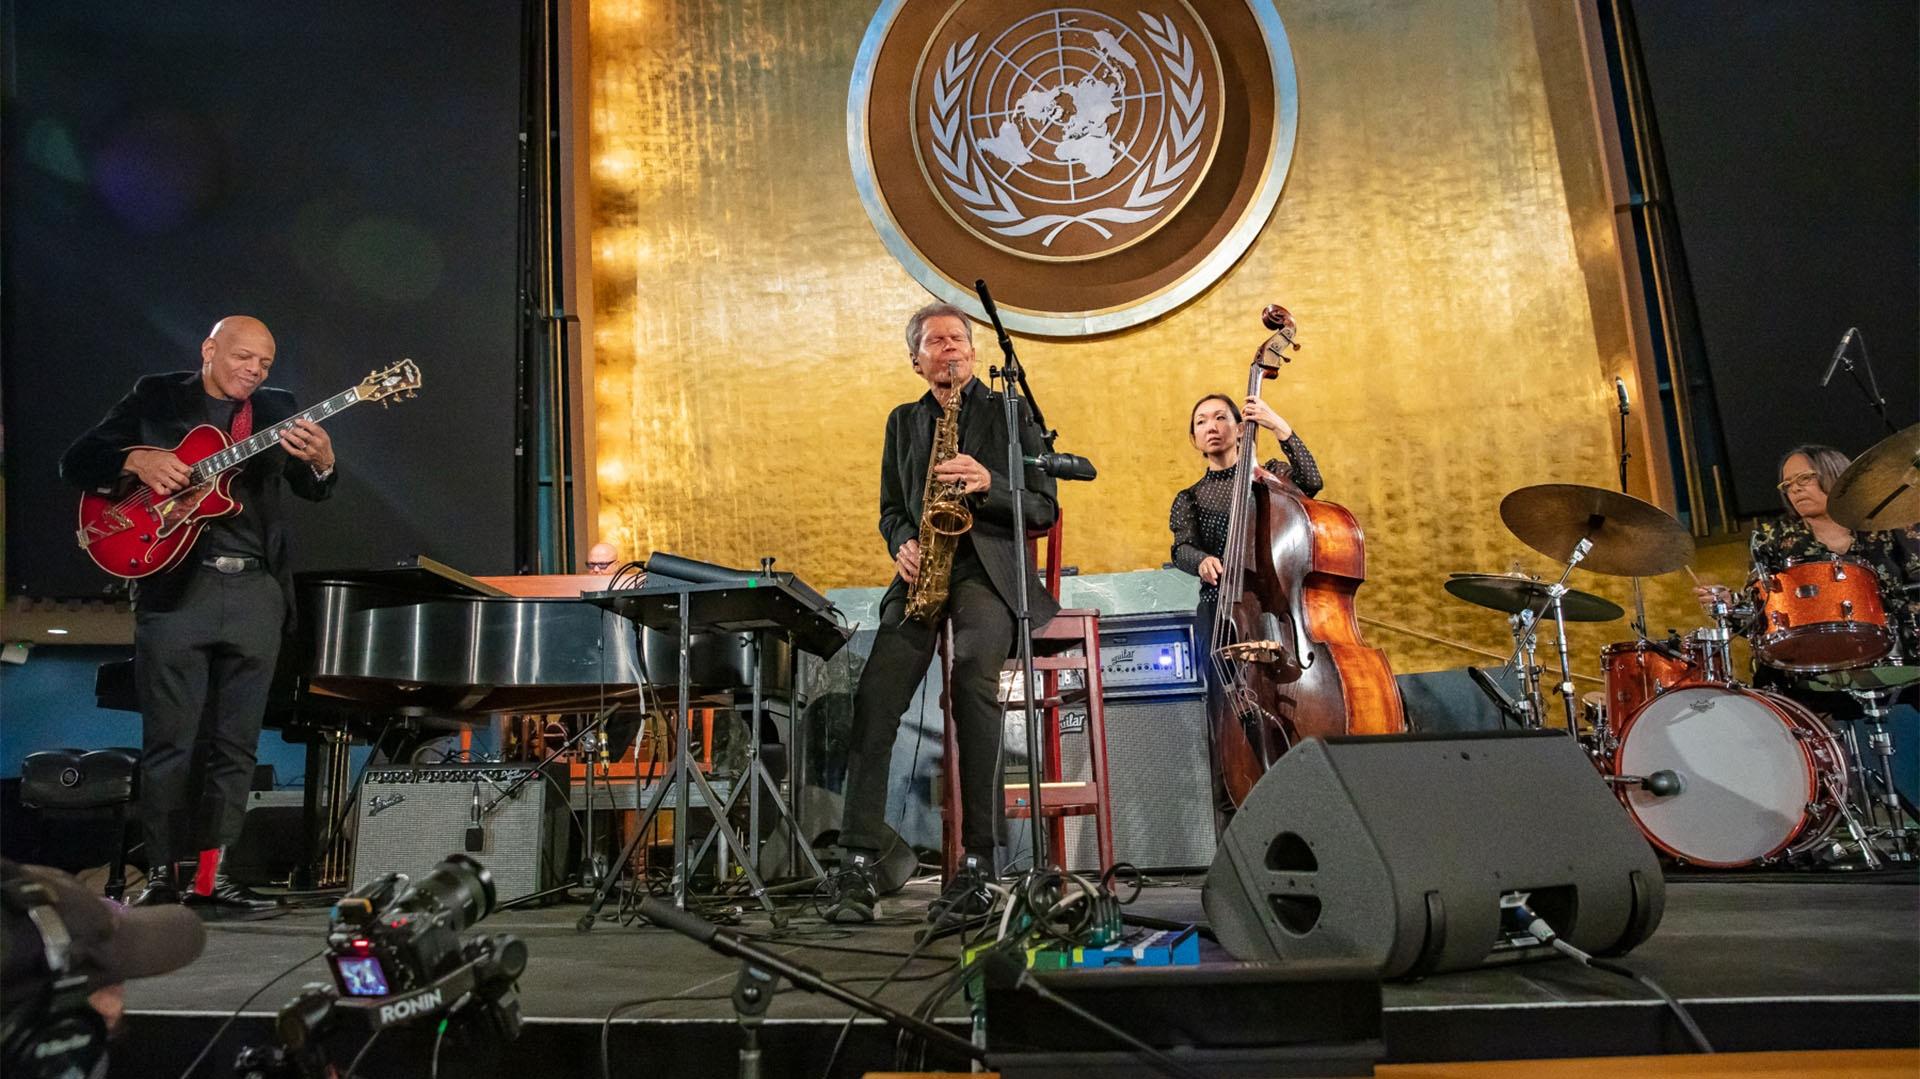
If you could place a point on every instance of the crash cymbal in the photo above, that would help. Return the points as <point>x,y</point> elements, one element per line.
<point>1630,538</point>
<point>1881,489</point>
<point>1511,593</point>
<point>1888,676</point>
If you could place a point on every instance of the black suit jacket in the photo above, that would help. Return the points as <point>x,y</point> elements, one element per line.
<point>983,436</point>
<point>159,411</point>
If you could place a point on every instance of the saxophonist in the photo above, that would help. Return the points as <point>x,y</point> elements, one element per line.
<point>978,586</point>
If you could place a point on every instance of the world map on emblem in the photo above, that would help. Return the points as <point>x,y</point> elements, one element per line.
<point>1071,132</point>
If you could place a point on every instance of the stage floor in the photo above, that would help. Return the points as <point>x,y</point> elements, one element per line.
<point>1789,962</point>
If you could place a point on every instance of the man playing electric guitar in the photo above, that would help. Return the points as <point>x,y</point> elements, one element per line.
<point>207,631</point>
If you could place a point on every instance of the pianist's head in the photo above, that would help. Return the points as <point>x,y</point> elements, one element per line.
<point>602,557</point>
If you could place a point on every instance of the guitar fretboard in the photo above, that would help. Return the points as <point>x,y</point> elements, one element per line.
<point>214,464</point>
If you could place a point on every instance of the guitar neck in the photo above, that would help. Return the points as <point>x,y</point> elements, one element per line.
<point>214,464</point>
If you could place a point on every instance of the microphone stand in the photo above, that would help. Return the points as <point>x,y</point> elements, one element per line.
<point>1011,375</point>
<point>1871,386</point>
<point>761,966</point>
<point>1639,598</point>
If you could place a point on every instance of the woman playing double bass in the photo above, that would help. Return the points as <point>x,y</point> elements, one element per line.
<point>1199,515</point>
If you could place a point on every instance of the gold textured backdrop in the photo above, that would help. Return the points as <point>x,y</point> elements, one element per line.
<point>747,322</point>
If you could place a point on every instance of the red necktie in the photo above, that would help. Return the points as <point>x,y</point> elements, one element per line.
<point>242,425</point>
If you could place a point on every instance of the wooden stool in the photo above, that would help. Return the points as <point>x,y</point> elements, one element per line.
<point>1053,648</point>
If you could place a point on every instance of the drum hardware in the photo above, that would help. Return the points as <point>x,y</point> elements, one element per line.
<point>1878,799</point>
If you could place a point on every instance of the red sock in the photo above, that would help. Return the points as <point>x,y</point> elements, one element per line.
<point>209,865</point>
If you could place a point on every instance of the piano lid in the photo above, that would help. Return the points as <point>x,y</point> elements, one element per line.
<point>419,575</point>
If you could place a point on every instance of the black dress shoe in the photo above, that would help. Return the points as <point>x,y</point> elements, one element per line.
<point>851,896</point>
<point>160,889</point>
<point>228,897</point>
<point>966,895</point>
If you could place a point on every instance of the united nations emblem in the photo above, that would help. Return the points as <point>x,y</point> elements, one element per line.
<point>1098,164</point>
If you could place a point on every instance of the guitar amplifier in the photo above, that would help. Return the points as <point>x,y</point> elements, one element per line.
<point>408,820</point>
<point>1157,757</point>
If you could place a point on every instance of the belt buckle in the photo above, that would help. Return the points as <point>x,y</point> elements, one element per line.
<point>228,564</point>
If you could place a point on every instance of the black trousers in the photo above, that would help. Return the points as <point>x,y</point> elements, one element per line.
<point>203,670</point>
<point>983,629</point>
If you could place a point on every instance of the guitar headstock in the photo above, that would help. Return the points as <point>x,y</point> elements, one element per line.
<point>396,382</point>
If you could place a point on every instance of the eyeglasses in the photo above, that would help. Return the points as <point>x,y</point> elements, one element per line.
<point>1798,479</point>
<point>599,567</point>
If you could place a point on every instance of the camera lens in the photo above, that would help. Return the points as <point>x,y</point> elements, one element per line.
<point>459,890</point>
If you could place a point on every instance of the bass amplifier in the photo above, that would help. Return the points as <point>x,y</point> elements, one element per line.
<point>410,819</point>
<point>1160,771</point>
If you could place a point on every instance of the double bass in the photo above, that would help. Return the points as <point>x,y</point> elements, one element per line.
<point>1285,644</point>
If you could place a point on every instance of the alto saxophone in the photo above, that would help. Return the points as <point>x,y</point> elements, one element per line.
<point>944,518</point>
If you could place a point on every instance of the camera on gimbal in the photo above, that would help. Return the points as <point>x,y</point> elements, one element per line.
<point>397,957</point>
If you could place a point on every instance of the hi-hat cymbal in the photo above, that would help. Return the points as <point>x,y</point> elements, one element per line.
<point>1511,593</point>
<point>1630,538</point>
<point>1881,489</point>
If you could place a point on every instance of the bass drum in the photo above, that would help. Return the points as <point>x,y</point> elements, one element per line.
<point>1762,778</point>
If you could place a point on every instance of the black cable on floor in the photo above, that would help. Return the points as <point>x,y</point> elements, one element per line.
<point>251,997</point>
<point>1546,934</point>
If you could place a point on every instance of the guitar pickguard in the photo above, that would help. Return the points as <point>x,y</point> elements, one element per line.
<point>179,508</point>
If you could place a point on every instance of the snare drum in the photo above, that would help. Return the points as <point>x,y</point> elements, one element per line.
<point>1822,615</point>
<point>1636,672</point>
<point>1761,778</point>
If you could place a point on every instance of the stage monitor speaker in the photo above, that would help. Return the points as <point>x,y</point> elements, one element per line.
<point>410,819</point>
<point>1398,851</point>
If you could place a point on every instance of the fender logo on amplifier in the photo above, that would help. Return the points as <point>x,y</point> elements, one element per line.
<point>379,804</point>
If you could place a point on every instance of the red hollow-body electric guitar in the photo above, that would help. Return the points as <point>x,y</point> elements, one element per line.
<point>131,532</point>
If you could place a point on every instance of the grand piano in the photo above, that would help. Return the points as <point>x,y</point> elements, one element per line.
<point>397,655</point>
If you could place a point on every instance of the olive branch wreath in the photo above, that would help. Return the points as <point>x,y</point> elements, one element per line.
<point>990,201</point>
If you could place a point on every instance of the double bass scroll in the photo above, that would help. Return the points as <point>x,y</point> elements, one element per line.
<point>1285,645</point>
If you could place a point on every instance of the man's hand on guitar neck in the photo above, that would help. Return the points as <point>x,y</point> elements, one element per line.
<point>158,469</point>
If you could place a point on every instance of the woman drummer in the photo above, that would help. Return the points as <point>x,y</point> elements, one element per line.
<point>1198,518</point>
<point>1807,533</point>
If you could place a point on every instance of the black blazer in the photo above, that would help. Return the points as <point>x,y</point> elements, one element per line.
<point>983,436</point>
<point>159,411</point>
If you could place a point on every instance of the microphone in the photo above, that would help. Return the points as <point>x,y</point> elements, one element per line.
<point>1664,784</point>
<point>1063,466</point>
<point>1620,391</point>
<point>1845,340</point>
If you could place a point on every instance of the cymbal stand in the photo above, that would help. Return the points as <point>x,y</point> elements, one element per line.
<point>1555,593</point>
<point>1717,656</point>
<point>1525,625</point>
<point>1874,703</point>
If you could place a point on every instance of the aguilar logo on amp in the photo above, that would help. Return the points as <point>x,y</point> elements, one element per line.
<point>1098,164</point>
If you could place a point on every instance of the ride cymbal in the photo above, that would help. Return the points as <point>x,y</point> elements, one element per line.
<point>1630,538</point>
<point>1511,593</point>
<point>1881,489</point>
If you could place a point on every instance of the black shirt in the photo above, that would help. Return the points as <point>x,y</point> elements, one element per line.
<point>244,534</point>
<point>1199,515</point>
